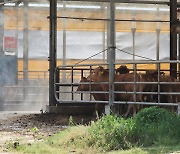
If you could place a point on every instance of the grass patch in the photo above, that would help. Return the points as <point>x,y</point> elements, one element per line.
<point>153,130</point>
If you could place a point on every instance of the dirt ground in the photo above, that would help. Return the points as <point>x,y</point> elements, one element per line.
<point>19,128</point>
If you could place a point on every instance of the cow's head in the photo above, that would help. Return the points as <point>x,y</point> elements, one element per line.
<point>96,73</point>
<point>83,87</point>
<point>122,70</point>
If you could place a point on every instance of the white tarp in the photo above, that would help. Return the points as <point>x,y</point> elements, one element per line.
<point>81,45</point>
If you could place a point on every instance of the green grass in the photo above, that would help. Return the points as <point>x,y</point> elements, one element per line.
<point>152,131</point>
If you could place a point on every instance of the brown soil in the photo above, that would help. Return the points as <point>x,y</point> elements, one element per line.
<point>19,128</point>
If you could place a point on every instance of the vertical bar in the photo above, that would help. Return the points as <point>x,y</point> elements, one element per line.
<point>25,48</point>
<point>90,84</point>
<point>133,29</point>
<point>1,29</point>
<point>108,30</point>
<point>81,78</point>
<point>72,80</point>
<point>173,37</point>
<point>133,34</point>
<point>157,45</point>
<point>111,58</point>
<point>52,50</point>
<point>57,87</point>
<point>178,108</point>
<point>103,34</point>
<point>157,36</point>
<point>135,79</point>
<point>179,56</point>
<point>64,43</point>
<point>159,86</point>
<point>16,33</point>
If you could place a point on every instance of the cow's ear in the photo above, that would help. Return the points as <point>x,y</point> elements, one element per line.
<point>101,68</point>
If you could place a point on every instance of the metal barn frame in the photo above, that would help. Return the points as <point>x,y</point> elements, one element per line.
<point>111,56</point>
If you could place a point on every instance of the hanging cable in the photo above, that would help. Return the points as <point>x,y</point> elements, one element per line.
<point>90,57</point>
<point>134,55</point>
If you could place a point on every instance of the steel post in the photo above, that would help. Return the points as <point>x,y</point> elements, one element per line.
<point>157,44</point>
<point>16,34</point>
<point>64,43</point>
<point>52,50</point>
<point>133,37</point>
<point>111,57</point>
<point>173,37</point>
<point>104,34</point>
<point>178,108</point>
<point>25,49</point>
<point>1,29</point>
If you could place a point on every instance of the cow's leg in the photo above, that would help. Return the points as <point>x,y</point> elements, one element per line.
<point>99,109</point>
<point>130,106</point>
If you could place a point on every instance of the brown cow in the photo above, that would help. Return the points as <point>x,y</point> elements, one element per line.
<point>122,70</point>
<point>167,88</point>
<point>102,75</point>
<point>99,107</point>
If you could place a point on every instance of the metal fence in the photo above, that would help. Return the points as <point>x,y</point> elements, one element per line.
<point>67,79</point>
<point>31,96</point>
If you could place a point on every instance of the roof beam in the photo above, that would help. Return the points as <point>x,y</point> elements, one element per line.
<point>125,1</point>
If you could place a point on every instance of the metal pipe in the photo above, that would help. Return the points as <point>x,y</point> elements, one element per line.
<point>1,29</point>
<point>123,102</point>
<point>87,83</point>
<point>104,34</point>
<point>52,50</point>
<point>111,57</point>
<point>25,48</point>
<point>64,44</point>
<point>16,33</point>
<point>121,20</point>
<point>127,1</point>
<point>72,81</point>
<point>173,37</point>
<point>125,62</point>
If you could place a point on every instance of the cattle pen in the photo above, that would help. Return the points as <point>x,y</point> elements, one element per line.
<point>111,63</point>
<point>58,44</point>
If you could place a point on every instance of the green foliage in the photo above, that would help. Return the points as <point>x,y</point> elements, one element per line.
<point>157,126</point>
<point>151,126</point>
<point>71,121</point>
<point>111,132</point>
<point>34,129</point>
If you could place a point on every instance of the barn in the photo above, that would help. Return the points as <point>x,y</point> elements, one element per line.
<point>48,46</point>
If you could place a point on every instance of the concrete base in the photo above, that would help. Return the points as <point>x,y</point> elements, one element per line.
<point>71,110</point>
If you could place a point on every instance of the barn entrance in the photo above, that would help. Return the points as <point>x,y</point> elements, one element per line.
<point>138,60</point>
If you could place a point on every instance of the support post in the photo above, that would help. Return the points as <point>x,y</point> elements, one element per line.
<point>64,44</point>
<point>25,49</point>
<point>173,37</point>
<point>178,108</point>
<point>104,34</point>
<point>16,33</point>
<point>157,44</point>
<point>111,57</point>
<point>1,29</point>
<point>52,50</point>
